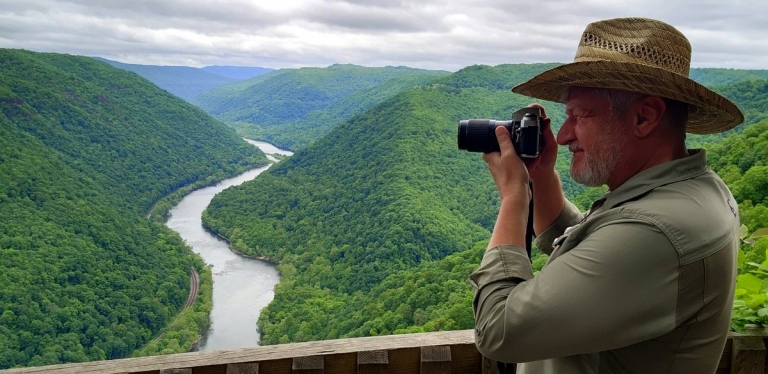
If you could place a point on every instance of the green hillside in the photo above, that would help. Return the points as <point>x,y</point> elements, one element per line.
<point>183,81</point>
<point>293,107</point>
<point>85,151</point>
<point>714,77</point>
<point>377,226</point>
<point>318,123</point>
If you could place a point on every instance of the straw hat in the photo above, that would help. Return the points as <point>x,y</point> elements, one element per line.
<point>638,55</point>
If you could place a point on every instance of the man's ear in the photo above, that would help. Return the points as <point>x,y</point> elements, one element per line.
<point>650,111</point>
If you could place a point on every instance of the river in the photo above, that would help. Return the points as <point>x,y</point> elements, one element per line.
<point>242,286</point>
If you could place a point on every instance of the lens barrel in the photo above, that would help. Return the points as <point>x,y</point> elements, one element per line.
<point>479,135</point>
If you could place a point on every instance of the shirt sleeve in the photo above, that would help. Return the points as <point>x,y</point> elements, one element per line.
<point>617,287</point>
<point>570,216</point>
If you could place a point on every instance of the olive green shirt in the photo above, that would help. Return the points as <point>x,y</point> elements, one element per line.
<point>643,284</point>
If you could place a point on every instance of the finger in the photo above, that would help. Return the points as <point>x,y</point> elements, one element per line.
<point>488,157</point>
<point>504,139</point>
<point>537,105</point>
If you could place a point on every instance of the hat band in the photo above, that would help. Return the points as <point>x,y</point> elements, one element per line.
<point>648,54</point>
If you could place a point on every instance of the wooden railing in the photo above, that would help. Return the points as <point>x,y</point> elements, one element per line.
<point>438,352</point>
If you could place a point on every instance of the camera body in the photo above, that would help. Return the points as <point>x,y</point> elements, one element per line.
<point>479,135</point>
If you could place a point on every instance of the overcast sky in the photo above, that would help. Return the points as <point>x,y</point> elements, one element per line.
<point>431,34</point>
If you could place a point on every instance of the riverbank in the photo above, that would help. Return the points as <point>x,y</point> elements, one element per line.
<point>232,248</point>
<point>184,333</point>
<point>159,210</point>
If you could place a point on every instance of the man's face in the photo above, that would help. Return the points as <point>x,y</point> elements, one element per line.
<point>593,135</point>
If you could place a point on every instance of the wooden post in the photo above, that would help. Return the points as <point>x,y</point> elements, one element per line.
<point>372,362</point>
<point>247,368</point>
<point>748,355</point>
<point>176,371</point>
<point>436,360</point>
<point>308,365</point>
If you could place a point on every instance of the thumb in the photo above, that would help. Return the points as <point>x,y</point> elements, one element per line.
<point>504,139</point>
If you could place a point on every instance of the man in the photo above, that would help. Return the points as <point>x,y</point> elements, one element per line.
<point>644,282</point>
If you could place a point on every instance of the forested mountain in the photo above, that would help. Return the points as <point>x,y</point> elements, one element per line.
<point>315,125</point>
<point>236,72</point>
<point>85,151</point>
<point>183,81</point>
<point>377,225</point>
<point>293,107</point>
<point>713,76</point>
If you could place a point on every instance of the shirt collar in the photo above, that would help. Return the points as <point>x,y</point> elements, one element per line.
<point>669,172</point>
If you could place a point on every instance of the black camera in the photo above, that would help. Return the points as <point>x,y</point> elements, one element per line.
<point>478,135</point>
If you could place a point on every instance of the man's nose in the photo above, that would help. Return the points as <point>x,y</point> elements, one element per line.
<point>565,135</point>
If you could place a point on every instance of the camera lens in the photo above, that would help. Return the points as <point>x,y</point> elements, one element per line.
<point>478,135</point>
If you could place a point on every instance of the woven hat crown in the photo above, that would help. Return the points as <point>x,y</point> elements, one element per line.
<point>637,40</point>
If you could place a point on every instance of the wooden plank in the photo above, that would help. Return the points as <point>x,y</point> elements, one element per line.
<point>345,363</point>
<point>259,354</point>
<point>465,359</point>
<point>176,371</point>
<point>404,361</point>
<point>372,362</point>
<point>725,358</point>
<point>436,360</point>
<point>210,369</point>
<point>247,368</point>
<point>748,355</point>
<point>308,365</point>
<point>276,366</point>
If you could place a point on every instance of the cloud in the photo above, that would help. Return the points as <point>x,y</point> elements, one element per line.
<point>428,34</point>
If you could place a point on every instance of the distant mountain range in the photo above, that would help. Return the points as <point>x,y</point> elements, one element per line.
<point>236,72</point>
<point>189,82</point>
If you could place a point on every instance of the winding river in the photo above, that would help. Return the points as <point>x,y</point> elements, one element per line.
<point>242,286</point>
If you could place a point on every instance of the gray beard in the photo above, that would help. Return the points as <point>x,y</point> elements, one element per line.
<point>597,168</point>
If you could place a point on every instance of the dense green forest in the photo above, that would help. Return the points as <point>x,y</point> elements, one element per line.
<point>377,226</point>
<point>293,107</point>
<point>85,151</point>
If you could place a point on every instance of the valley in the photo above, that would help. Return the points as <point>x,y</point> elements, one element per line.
<point>372,226</point>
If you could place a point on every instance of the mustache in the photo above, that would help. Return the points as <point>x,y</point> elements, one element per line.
<point>574,146</point>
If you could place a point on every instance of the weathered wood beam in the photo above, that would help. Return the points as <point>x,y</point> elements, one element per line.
<point>308,365</point>
<point>176,371</point>
<point>257,354</point>
<point>436,360</point>
<point>748,355</point>
<point>247,368</point>
<point>372,362</point>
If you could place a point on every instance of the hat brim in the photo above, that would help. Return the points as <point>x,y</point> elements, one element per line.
<point>708,113</point>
